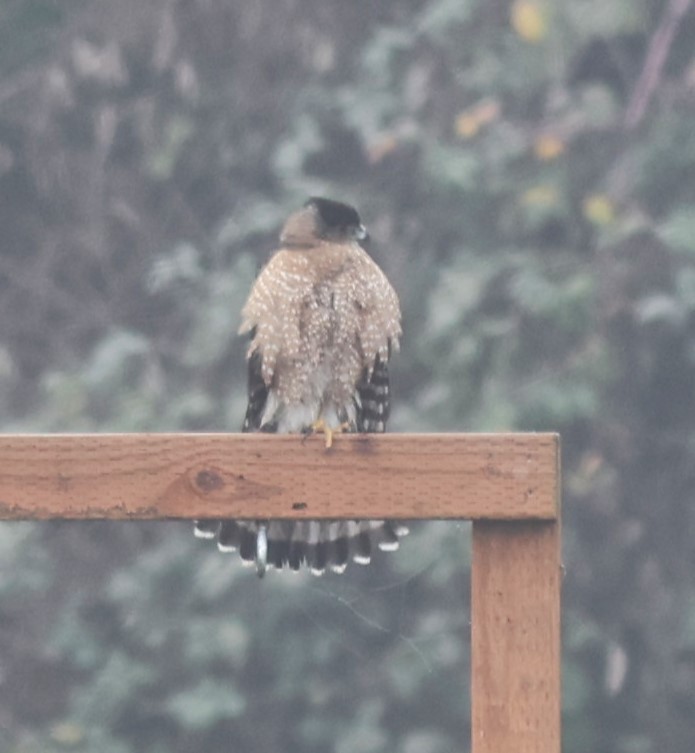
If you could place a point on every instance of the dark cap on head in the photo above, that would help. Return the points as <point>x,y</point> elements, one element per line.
<point>337,220</point>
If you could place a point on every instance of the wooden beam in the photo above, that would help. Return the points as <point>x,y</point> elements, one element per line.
<point>515,649</point>
<point>476,476</point>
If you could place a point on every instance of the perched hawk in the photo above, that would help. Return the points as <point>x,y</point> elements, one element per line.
<point>323,320</point>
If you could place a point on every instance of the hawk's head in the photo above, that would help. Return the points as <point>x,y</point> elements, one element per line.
<point>323,219</point>
<point>336,221</point>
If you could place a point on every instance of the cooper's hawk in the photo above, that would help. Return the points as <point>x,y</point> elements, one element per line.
<point>323,321</point>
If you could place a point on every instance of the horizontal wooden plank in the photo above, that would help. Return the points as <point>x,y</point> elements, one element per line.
<point>128,476</point>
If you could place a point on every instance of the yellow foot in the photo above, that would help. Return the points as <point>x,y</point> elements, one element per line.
<point>321,427</point>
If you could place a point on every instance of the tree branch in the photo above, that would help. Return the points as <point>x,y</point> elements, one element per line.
<point>659,48</point>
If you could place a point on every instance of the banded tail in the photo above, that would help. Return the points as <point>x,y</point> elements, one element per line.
<point>318,545</point>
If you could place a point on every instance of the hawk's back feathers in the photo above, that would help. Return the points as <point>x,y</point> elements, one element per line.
<point>323,320</point>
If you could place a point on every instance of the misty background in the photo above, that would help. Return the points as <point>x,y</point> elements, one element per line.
<point>526,170</point>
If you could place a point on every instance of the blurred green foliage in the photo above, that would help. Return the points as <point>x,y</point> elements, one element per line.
<point>530,194</point>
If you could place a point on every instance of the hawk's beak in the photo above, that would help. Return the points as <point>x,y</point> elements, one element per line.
<point>361,233</point>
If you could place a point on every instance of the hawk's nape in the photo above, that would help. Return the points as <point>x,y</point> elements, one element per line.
<point>322,320</point>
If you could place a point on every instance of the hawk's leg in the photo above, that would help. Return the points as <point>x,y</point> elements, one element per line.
<point>321,427</point>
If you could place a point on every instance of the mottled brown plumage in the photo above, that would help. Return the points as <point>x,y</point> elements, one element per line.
<point>322,312</point>
<point>323,321</point>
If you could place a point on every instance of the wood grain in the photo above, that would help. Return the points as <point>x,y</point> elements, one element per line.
<point>476,476</point>
<point>516,637</point>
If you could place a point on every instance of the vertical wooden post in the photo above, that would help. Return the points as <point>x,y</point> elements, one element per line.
<point>516,637</point>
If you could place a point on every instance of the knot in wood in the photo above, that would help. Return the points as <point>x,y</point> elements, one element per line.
<point>208,481</point>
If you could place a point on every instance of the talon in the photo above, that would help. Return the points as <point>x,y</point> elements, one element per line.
<point>321,427</point>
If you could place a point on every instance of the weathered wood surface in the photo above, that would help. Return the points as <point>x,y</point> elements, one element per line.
<point>515,638</point>
<point>119,476</point>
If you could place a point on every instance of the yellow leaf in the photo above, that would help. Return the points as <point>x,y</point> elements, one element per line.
<point>548,147</point>
<point>381,148</point>
<point>539,196</point>
<point>529,20</point>
<point>470,121</point>
<point>67,734</point>
<point>467,125</point>
<point>598,209</point>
